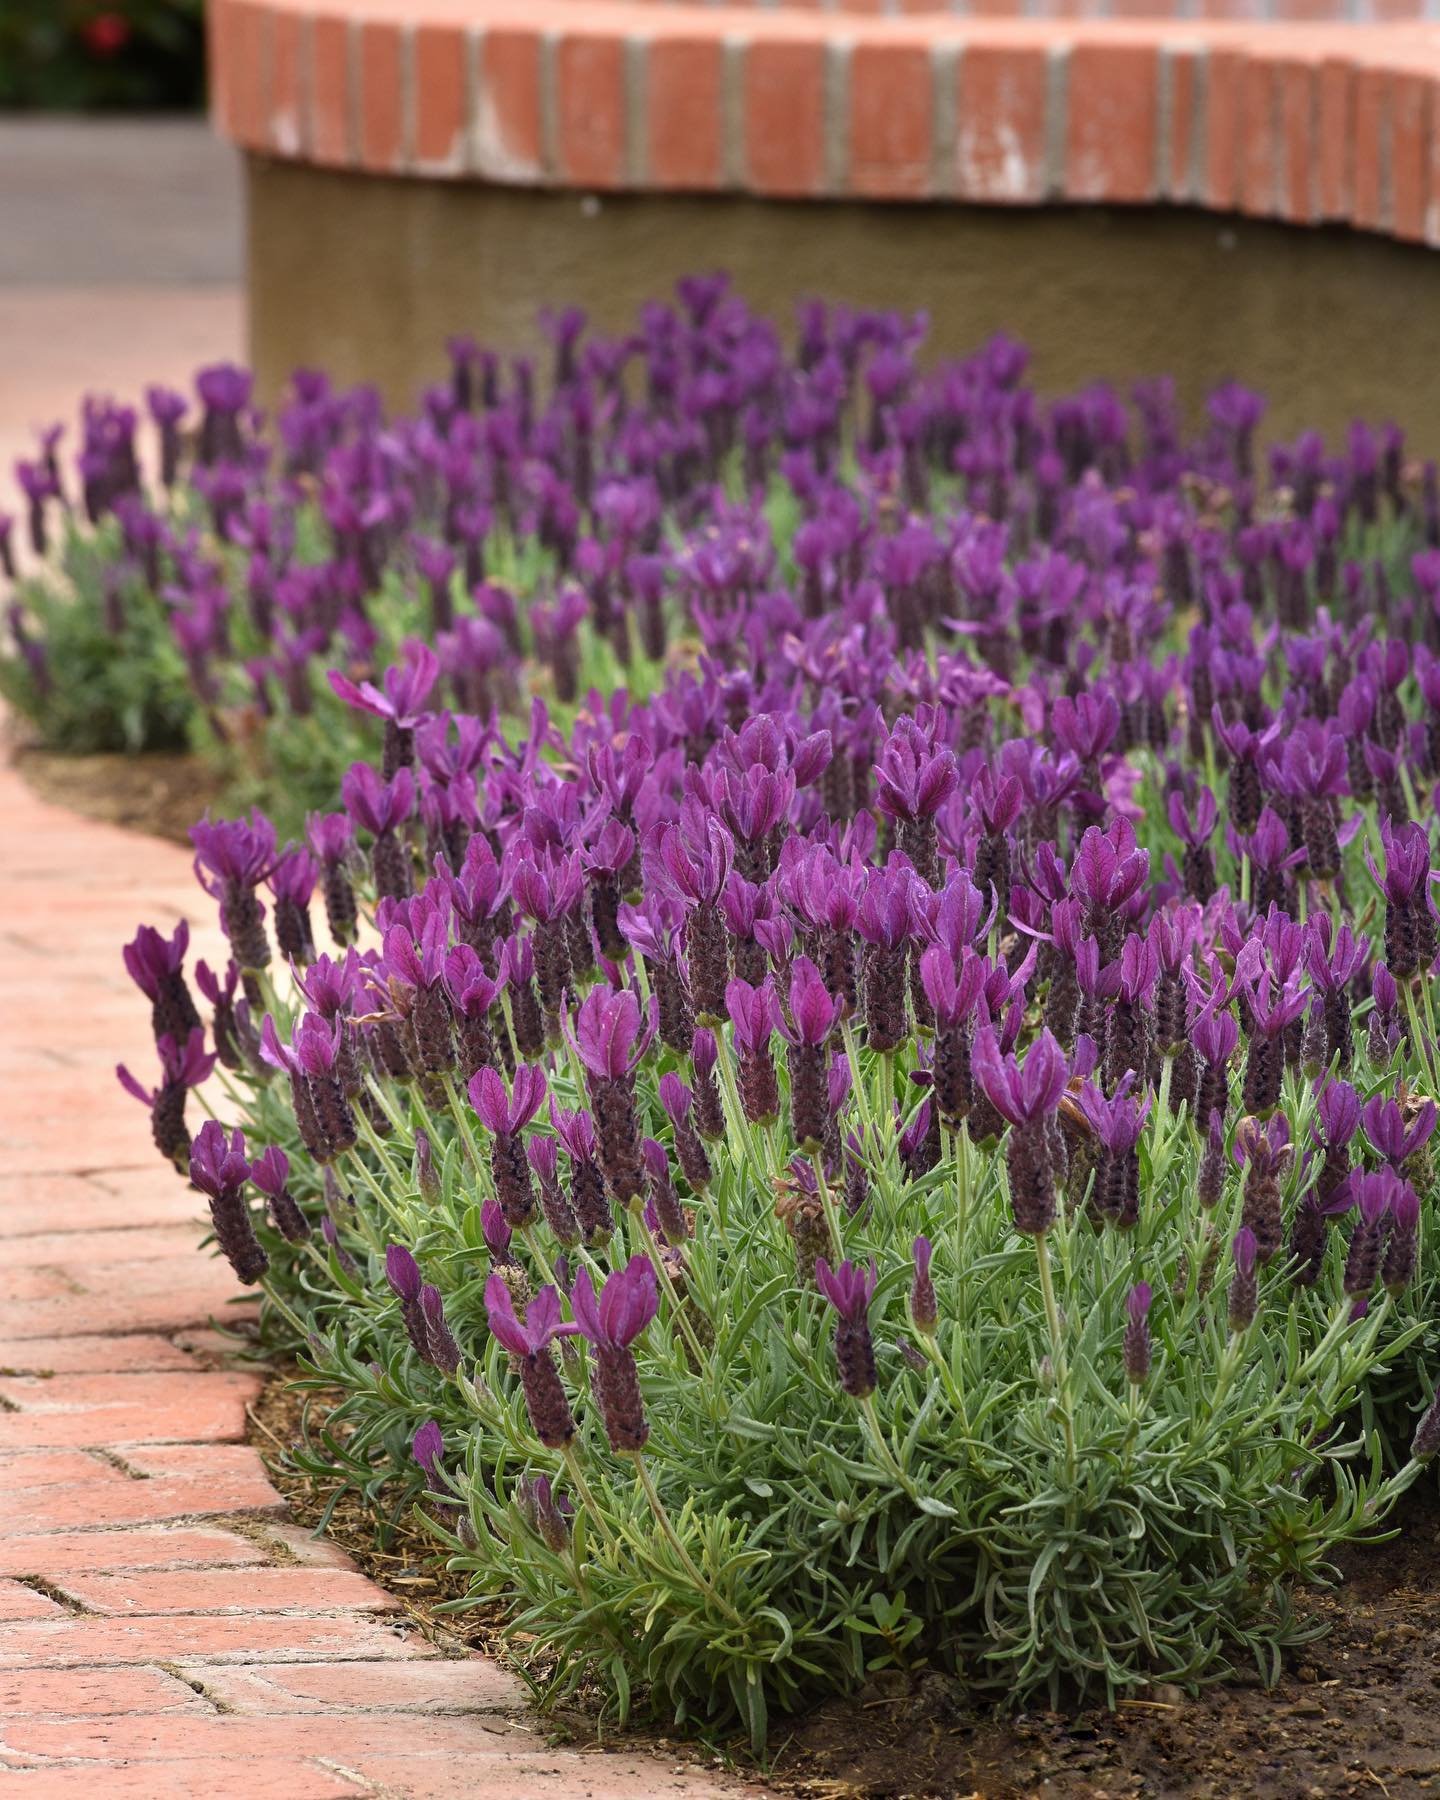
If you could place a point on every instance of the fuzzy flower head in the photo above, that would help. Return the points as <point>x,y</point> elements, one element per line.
<point>406,688</point>
<point>1021,1092</point>
<point>1117,1120</point>
<point>913,778</point>
<point>1337,1115</point>
<point>849,1289</point>
<point>505,1114</point>
<point>151,960</point>
<point>626,1304</point>
<point>182,1065</point>
<point>377,806</point>
<point>270,1171</point>
<point>754,1014</point>
<point>1394,1133</point>
<point>428,1448</point>
<point>1406,851</point>
<point>814,1011</point>
<point>217,1163</point>
<point>540,1327</point>
<point>230,852</point>
<point>606,1035</point>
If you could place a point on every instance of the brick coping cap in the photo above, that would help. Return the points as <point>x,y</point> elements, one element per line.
<point>1309,122</point>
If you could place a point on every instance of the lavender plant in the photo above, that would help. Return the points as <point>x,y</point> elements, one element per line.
<point>849,1155</point>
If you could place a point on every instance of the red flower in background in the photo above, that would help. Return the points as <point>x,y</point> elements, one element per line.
<point>106,34</point>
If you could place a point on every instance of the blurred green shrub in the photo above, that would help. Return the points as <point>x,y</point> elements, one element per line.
<point>83,55</point>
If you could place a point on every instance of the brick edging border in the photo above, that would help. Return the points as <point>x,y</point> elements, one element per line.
<point>1305,123</point>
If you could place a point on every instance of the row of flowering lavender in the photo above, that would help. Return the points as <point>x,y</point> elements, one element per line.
<point>681,485</point>
<point>842,1162</point>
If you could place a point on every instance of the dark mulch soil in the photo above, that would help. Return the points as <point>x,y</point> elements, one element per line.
<point>1356,1713</point>
<point>159,793</point>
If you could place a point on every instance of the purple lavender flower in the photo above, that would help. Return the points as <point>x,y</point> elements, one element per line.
<point>883,921</point>
<point>924,1310</point>
<point>814,1015</point>
<point>1136,1350</point>
<point>663,1201</point>
<point>1244,1288</point>
<point>428,1448</point>
<point>1395,1134</point>
<point>1272,1010</point>
<point>754,1015</point>
<point>611,1323</point>
<point>1118,1123</point>
<point>442,1349</point>
<point>1402,1241</point>
<point>181,1068</point>
<point>270,1173</point>
<point>546,1515</point>
<point>381,808</point>
<point>678,1104</point>
<point>576,1134</point>
<point>606,1036</point>
<point>849,1289</point>
<point>292,881</point>
<point>157,967</point>
<point>1027,1096</point>
<point>332,840</point>
<point>231,860</point>
<point>233,1038</point>
<point>1373,1195</point>
<point>709,1109</point>
<point>401,704</point>
<point>1410,944</point>
<point>505,1116</point>
<point>1195,831</point>
<point>402,1272</point>
<point>545,1399</point>
<point>219,1169</point>
<point>1263,1150</point>
<point>543,1155</point>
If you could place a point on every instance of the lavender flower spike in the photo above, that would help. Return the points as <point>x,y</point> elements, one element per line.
<point>219,1169</point>
<point>850,1289</point>
<point>545,1399</point>
<point>626,1305</point>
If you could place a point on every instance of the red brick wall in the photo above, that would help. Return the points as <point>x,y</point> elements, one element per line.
<point>1297,120</point>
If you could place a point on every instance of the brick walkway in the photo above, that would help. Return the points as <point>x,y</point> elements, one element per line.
<point>164,1631</point>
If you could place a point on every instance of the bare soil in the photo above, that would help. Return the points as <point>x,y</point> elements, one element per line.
<point>159,793</point>
<point>1355,1715</point>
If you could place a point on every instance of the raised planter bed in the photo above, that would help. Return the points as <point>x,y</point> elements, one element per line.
<point>591,151</point>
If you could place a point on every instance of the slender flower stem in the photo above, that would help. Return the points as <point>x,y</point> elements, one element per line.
<point>387,1105</point>
<point>281,1015</point>
<point>459,1113</point>
<point>962,1197</point>
<point>1423,1045</point>
<point>882,1449</point>
<point>1057,1349</point>
<point>286,1312</point>
<point>1423,982</point>
<point>857,1084</point>
<point>531,1238</point>
<point>642,982</point>
<point>662,1519</point>
<point>827,1202</point>
<point>735,1112</point>
<point>657,1262</point>
<point>383,1200</point>
<point>587,1499</point>
<point>382,1155</point>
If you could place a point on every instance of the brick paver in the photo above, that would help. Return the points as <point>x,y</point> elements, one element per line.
<point>164,1631</point>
